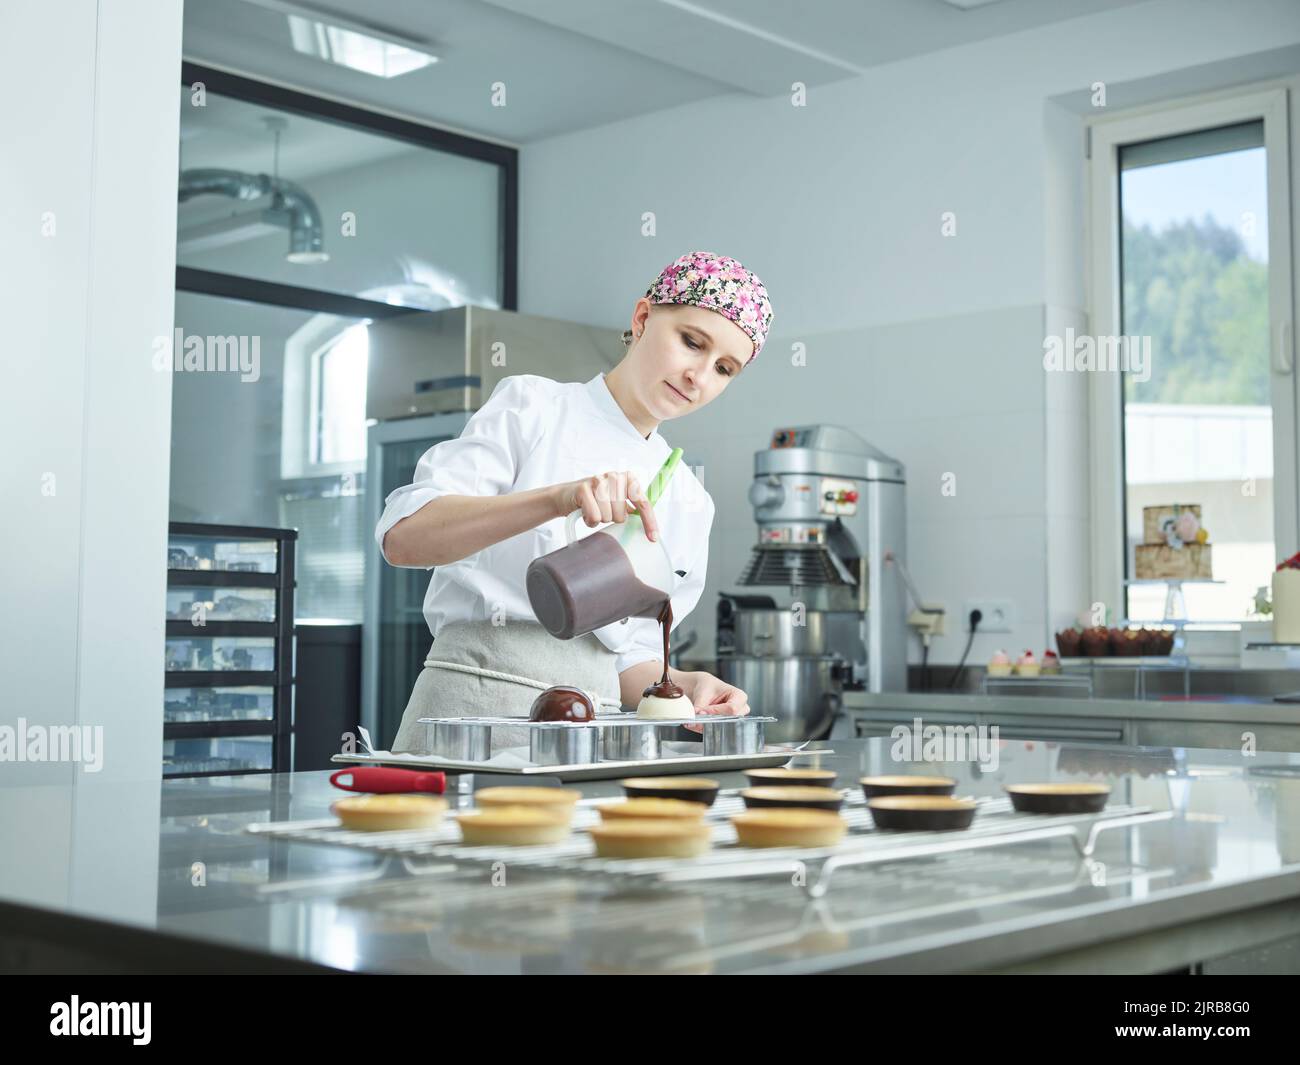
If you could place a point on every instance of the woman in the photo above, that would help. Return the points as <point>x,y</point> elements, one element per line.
<point>484,505</point>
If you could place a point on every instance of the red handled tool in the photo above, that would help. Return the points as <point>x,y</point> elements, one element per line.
<point>384,780</point>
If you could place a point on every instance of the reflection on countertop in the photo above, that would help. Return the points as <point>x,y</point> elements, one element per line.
<point>1232,845</point>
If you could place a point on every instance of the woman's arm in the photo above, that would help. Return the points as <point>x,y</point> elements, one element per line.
<point>452,527</point>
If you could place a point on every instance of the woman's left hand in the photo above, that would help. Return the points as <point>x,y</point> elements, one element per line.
<point>713,696</point>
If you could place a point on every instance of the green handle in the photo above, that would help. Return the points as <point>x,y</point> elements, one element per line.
<point>664,475</point>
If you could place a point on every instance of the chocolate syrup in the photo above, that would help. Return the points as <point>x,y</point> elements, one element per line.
<point>665,688</point>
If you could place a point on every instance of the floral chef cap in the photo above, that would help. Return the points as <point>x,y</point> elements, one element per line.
<point>717,283</point>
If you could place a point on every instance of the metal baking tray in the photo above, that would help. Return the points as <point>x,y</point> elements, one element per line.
<point>605,738</point>
<point>767,758</point>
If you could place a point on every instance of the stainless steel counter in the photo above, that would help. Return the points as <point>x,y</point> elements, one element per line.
<point>1220,878</point>
<point>1212,722</point>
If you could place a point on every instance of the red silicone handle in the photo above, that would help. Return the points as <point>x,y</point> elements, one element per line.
<point>384,780</point>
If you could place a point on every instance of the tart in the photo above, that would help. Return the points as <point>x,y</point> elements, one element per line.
<point>513,826</point>
<point>630,837</point>
<point>654,809</point>
<point>389,813</point>
<point>557,800</point>
<point>818,778</point>
<point>789,828</point>
<point>689,789</point>
<point>910,813</point>
<point>1058,798</point>
<point>792,796</point>
<point>905,785</point>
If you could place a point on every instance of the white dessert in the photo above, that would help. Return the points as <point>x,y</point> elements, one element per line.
<point>657,708</point>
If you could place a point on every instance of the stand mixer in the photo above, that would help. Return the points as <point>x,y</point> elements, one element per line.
<point>830,510</point>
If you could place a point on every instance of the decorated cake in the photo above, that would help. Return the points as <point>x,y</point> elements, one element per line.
<point>1175,544</point>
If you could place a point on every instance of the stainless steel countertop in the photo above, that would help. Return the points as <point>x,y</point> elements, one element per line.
<point>1263,711</point>
<point>1232,847</point>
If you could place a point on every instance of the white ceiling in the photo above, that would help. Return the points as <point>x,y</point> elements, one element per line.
<point>573,64</point>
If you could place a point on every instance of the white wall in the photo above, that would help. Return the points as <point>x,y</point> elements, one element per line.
<point>90,142</point>
<point>929,346</point>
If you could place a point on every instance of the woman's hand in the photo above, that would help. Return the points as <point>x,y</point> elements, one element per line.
<point>604,497</point>
<point>710,695</point>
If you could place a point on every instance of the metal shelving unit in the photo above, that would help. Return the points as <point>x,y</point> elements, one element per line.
<point>229,680</point>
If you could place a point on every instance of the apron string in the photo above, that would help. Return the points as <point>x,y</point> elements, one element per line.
<point>510,678</point>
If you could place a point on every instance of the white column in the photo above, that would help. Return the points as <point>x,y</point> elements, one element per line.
<point>90,131</point>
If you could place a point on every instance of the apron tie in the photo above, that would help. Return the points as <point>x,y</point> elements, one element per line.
<point>511,678</point>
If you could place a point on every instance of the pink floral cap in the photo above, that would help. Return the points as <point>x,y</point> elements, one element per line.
<point>717,283</point>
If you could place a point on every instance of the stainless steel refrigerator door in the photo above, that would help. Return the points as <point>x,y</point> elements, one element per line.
<point>395,638</point>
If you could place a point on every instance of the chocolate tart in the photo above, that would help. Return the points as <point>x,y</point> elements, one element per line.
<point>921,813</point>
<point>389,813</point>
<point>688,789</point>
<point>1062,798</point>
<point>789,828</point>
<point>817,778</point>
<point>873,787</point>
<point>788,797</point>
<point>635,838</point>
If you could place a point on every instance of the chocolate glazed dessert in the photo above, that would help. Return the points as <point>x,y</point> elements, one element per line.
<point>562,703</point>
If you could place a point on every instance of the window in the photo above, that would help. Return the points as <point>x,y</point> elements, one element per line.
<point>1191,274</point>
<point>339,400</point>
<point>302,221</point>
<point>1198,421</point>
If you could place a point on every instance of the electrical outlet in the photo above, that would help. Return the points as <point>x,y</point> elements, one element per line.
<point>998,615</point>
<point>929,620</point>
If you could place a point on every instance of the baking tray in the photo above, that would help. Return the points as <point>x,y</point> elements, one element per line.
<point>648,767</point>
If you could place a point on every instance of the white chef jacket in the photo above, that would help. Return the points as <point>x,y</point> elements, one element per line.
<point>533,432</point>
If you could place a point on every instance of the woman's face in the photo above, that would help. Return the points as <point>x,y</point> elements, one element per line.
<point>684,357</point>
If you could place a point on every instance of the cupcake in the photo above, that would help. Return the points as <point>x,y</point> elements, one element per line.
<point>1027,665</point>
<point>1069,643</point>
<point>1096,642</point>
<point>1125,643</point>
<point>1051,664</point>
<point>1160,642</point>
<point>999,665</point>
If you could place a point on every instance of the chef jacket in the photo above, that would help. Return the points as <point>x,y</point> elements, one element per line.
<point>533,432</point>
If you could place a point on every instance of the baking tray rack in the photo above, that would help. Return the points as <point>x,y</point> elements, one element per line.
<point>812,868</point>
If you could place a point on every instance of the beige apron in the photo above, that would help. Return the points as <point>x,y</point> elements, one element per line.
<point>466,670</point>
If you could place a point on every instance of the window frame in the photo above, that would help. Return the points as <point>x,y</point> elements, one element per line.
<point>1105,135</point>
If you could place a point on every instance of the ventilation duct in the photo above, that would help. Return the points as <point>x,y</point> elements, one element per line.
<point>291,207</point>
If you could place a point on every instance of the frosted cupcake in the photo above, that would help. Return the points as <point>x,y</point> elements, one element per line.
<point>1051,664</point>
<point>999,665</point>
<point>1027,665</point>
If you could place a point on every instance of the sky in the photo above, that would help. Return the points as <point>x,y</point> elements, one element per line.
<point>1224,186</point>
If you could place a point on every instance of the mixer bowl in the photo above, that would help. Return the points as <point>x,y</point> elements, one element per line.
<point>802,692</point>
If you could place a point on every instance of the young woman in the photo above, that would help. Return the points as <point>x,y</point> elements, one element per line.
<point>483,506</point>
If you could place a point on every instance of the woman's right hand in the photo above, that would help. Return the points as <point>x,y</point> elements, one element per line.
<point>604,497</point>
